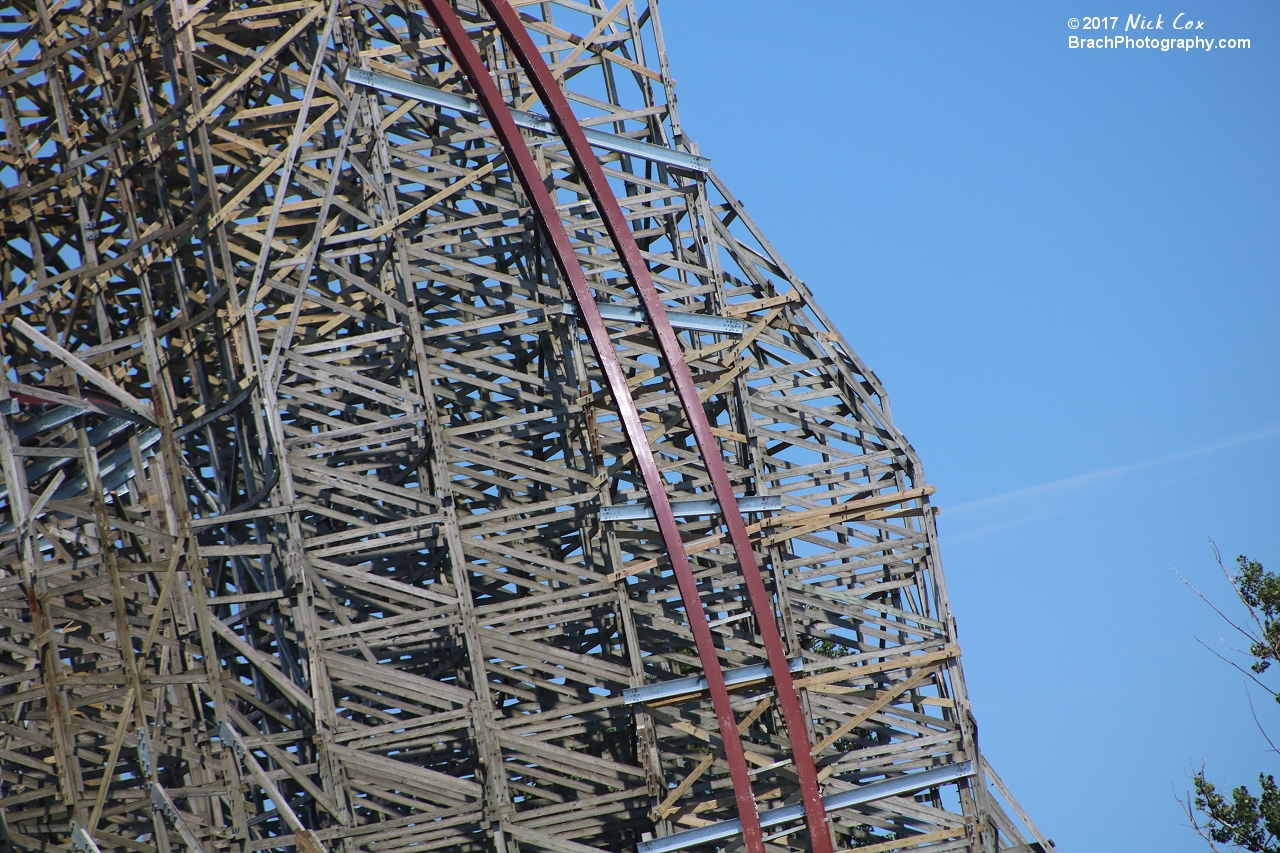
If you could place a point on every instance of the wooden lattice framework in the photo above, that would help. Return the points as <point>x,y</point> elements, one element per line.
<point>309,461</point>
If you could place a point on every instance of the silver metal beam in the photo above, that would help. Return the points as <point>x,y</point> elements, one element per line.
<point>529,121</point>
<point>696,683</point>
<point>702,506</point>
<point>679,320</point>
<point>163,803</point>
<point>81,840</point>
<point>908,784</point>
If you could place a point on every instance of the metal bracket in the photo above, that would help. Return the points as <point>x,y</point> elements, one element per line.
<point>81,840</point>
<point>164,804</point>
<point>161,800</point>
<point>144,752</point>
<point>232,738</point>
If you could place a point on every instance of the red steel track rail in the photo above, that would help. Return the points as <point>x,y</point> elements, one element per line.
<point>521,162</point>
<point>544,83</point>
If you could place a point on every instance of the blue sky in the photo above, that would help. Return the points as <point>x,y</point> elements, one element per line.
<point>1065,266</point>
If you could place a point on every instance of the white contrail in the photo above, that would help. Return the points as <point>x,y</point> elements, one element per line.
<point>1080,481</point>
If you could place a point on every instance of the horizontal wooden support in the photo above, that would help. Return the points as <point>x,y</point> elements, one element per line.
<point>895,662</point>
<point>916,840</point>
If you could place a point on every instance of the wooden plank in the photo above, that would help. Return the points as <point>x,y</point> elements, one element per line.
<point>893,662</point>
<point>122,396</point>
<point>910,841</point>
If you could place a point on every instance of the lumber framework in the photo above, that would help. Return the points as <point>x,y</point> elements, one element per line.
<point>310,445</point>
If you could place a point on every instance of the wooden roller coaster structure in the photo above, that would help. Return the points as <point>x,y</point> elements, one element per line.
<point>410,444</point>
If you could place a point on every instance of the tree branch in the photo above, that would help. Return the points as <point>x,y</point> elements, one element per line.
<point>1214,607</point>
<point>1236,665</point>
<point>1191,816</point>
<point>1258,722</point>
<point>1240,595</point>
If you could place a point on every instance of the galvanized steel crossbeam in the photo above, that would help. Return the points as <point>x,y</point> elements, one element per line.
<point>906,784</point>
<point>527,120</point>
<point>700,506</point>
<point>698,683</point>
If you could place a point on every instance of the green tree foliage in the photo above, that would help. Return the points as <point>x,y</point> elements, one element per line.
<point>1260,591</point>
<point>1245,821</point>
<point>1249,822</point>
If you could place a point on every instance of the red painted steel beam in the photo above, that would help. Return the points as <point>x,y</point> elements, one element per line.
<point>521,162</point>
<point>589,170</point>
